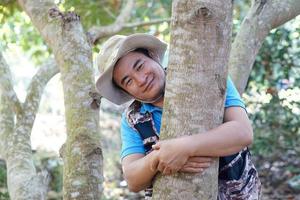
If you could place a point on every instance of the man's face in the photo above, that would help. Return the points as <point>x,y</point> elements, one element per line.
<point>140,76</point>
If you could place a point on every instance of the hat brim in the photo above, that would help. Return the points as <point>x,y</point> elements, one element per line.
<point>105,85</point>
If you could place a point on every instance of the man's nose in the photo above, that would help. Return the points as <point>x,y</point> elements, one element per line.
<point>141,80</point>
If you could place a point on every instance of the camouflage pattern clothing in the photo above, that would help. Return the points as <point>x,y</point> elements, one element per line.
<point>246,186</point>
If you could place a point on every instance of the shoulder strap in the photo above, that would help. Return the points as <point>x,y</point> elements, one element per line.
<point>143,124</point>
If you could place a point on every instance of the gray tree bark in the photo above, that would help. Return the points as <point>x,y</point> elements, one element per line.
<point>196,85</point>
<point>22,179</point>
<point>82,153</point>
<point>263,16</point>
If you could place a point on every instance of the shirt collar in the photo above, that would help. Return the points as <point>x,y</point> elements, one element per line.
<point>149,107</point>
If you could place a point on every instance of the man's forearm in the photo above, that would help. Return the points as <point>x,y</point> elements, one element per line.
<point>138,172</point>
<point>226,139</point>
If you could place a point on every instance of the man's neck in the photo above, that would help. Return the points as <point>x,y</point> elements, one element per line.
<point>159,102</point>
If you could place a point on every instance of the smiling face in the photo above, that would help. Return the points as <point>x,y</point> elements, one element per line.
<point>140,76</point>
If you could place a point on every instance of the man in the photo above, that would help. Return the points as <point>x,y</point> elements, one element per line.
<point>132,70</point>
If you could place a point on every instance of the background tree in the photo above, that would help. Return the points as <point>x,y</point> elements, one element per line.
<point>16,124</point>
<point>262,17</point>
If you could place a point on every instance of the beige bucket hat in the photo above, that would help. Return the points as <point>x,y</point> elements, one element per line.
<point>113,49</point>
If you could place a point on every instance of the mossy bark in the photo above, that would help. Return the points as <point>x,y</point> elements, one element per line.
<point>195,89</point>
<point>82,153</point>
<point>22,179</point>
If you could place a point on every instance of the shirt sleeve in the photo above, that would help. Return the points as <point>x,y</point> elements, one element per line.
<point>131,140</point>
<point>233,97</point>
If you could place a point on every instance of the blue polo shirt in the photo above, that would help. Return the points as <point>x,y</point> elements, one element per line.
<point>131,140</point>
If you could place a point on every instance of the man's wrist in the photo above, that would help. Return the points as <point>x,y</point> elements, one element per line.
<point>190,145</point>
<point>152,161</point>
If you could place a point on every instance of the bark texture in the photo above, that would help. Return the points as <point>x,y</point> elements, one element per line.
<point>195,89</point>
<point>263,16</point>
<point>82,153</point>
<point>22,179</point>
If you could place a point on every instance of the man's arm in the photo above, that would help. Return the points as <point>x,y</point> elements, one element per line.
<point>228,138</point>
<point>139,169</point>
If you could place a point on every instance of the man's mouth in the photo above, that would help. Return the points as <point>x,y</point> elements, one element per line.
<point>148,85</point>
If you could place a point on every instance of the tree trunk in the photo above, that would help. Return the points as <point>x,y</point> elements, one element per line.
<point>82,153</point>
<point>262,17</point>
<point>196,86</point>
<point>22,179</point>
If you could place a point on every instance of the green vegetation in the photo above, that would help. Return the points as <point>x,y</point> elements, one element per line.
<point>272,95</point>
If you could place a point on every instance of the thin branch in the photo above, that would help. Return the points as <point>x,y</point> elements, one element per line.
<point>6,2</point>
<point>124,16</point>
<point>149,23</point>
<point>104,31</point>
<point>36,88</point>
<point>96,33</point>
<point>6,86</point>
<point>262,17</point>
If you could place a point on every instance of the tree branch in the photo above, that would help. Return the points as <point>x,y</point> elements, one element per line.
<point>9,105</point>
<point>6,86</point>
<point>261,18</point>
<point>6,2</point>
<point>96,33</point>
<point>15,143</point>
<point>149,23</point>
<point>35,91</point>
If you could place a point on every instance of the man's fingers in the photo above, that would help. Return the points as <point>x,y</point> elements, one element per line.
<point>154,165</point>
<point>200,159</point>
<point>156,146</point>
<point>167,171</point>
<point>197,165</point>
<point>192,170</point>
<point>161,167</point>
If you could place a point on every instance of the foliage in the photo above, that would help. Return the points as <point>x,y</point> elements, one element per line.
<point>16,28</point>
<point>30,40</point>
<point>273,93</point>
<point>54,165</point>
<point>3,186</point>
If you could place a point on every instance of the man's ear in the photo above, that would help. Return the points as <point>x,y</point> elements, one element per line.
<point>154,56</point>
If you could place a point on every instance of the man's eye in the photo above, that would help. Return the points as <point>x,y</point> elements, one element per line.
<point>129,82</point>
<point>139,67</point>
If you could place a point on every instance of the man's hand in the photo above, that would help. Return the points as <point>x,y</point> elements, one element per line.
<point>154,161</point>
<point>196,164</point>
<point>173,154</point>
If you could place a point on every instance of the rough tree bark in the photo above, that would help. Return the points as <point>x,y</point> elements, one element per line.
<point>263,16</point>
<point>22,179</point>
<point>196,85</point>
<point>82,153</point>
